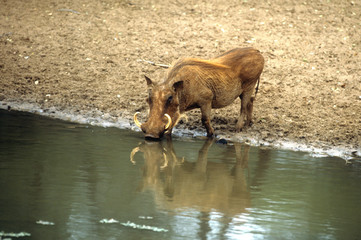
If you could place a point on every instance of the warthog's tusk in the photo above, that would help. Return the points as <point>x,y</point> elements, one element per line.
<point>136,120</point>
<point>169,121</point>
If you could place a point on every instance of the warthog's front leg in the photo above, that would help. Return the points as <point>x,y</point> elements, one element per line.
<point>206,118</point>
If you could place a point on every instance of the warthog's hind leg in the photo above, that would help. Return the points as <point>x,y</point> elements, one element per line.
<point>245,118</point>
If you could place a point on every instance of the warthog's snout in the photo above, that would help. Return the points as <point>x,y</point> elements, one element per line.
<point>152,129</point>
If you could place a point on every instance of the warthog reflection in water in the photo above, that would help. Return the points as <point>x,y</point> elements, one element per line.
<point>203,185</point>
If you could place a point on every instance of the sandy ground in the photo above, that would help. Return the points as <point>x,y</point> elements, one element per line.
<point>83,57</point>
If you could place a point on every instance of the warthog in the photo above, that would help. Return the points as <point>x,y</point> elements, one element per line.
<point>205,84</point>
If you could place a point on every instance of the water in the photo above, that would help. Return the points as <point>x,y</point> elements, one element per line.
<point>60,180</point>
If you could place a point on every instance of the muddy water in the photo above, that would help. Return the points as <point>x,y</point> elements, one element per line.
<point>60,180</point>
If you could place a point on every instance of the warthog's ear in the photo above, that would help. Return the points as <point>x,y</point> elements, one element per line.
<point>178,86</point>
<point>149,81</point>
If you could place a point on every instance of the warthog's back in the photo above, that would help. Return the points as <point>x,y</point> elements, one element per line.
<point>247,63</point>
<point>224,77</point>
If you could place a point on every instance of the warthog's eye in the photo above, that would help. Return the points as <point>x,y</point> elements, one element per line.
<point>169,100</point>
<point>149,100</point>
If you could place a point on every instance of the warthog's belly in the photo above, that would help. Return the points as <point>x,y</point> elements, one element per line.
<point>227,95</point>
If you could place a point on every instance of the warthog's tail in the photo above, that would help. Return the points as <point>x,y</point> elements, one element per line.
<point>257,86</point>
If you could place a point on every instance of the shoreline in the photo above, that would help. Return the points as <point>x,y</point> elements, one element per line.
<point>101,119</point>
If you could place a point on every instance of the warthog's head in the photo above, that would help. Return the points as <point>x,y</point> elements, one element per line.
<point>163,103</point>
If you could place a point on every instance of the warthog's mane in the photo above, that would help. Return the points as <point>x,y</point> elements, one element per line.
<point>197,68</point>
